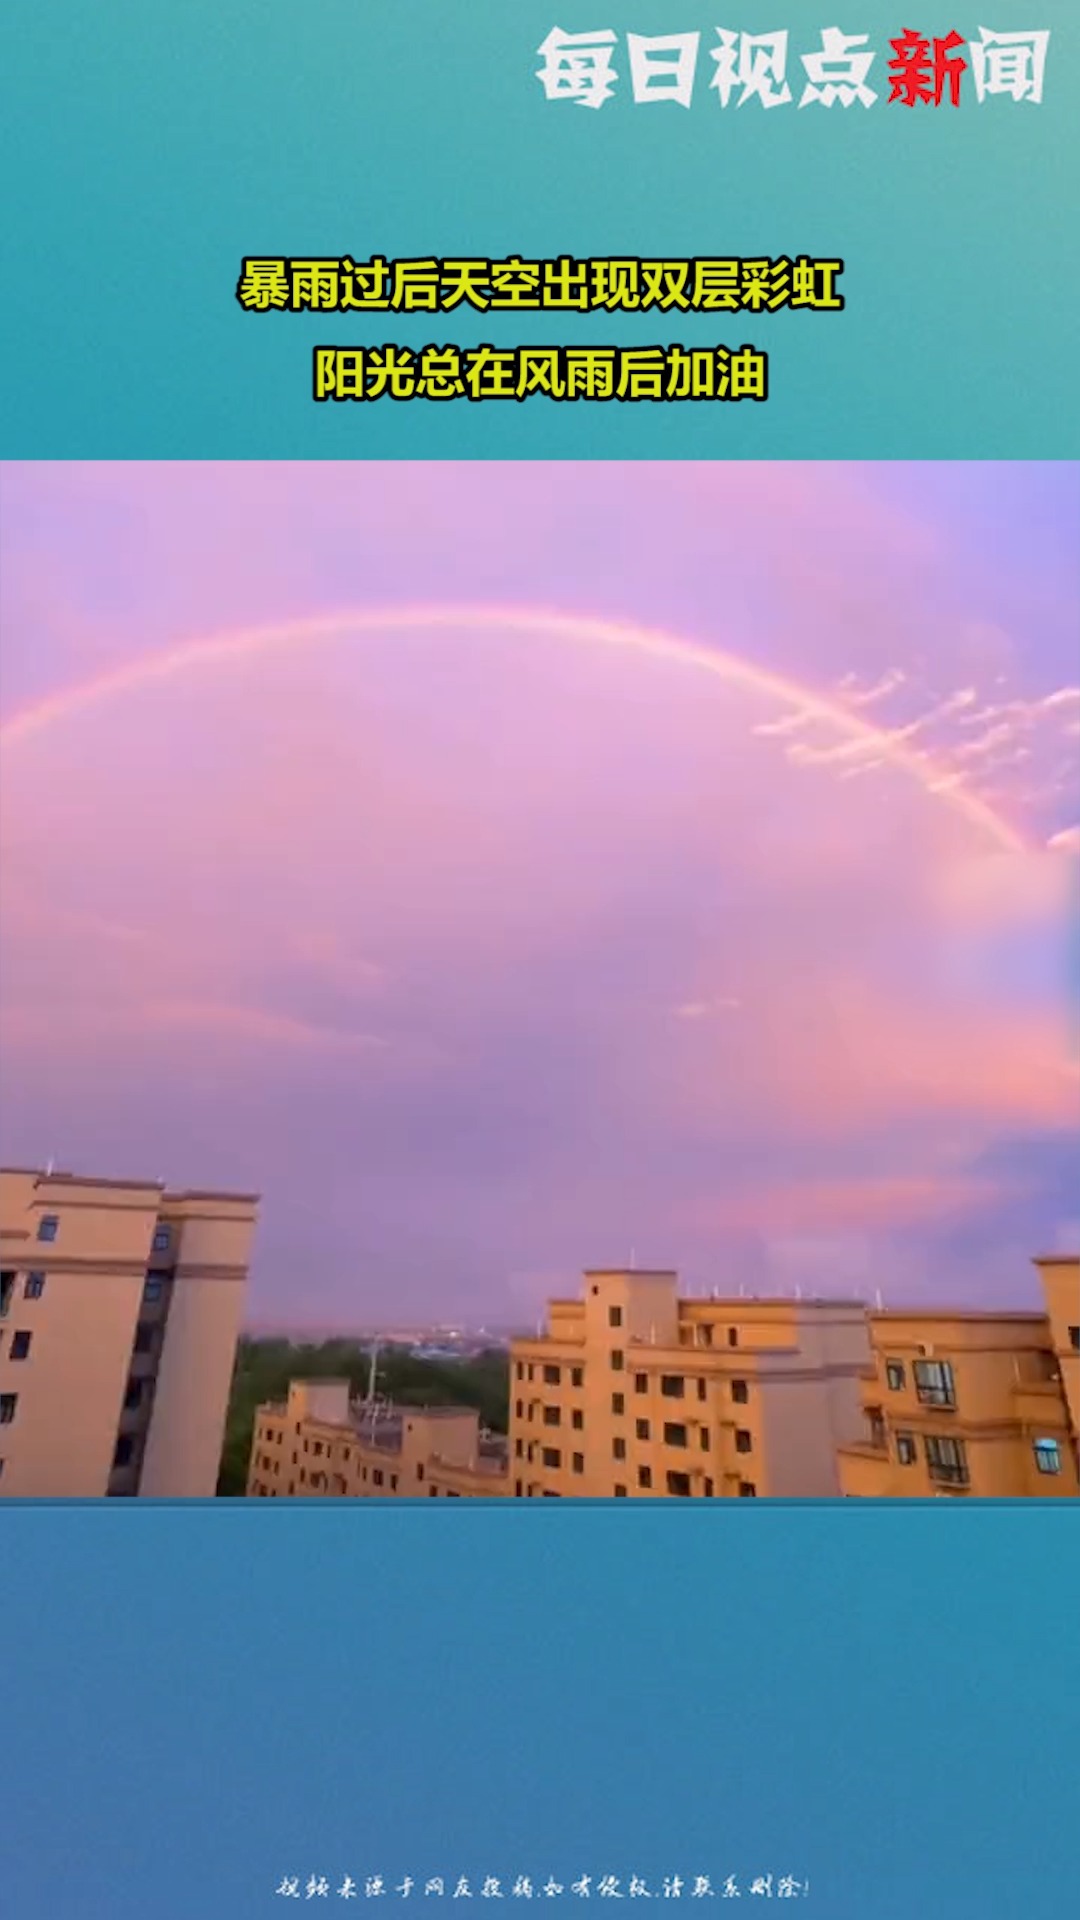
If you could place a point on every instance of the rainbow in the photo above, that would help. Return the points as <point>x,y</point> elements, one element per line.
<point>193,656</point>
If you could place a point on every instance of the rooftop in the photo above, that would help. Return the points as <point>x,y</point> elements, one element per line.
<point>62,1176</point>
<point>945,1316</point>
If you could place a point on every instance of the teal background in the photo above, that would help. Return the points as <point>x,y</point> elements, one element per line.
<point>148,147</point>
<point>199,1699</point>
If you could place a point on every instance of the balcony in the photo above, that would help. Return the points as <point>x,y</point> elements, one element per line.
<point>949,1473</point>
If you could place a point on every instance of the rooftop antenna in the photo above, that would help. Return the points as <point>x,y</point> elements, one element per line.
<point>633,1258</point>
<point>877,1299</point>
<point>373,1371</point>
<point>50,1164</point>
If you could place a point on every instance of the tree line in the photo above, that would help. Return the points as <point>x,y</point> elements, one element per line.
<point>264,1369</point>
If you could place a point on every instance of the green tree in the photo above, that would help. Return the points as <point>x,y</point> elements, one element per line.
<point>264,1369</point>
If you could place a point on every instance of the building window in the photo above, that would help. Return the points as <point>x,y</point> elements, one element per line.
<point>1048,1456</point>
<point>894,1374</point>
<point>641,1383</point>
<point>33,1286</point>
<point>8,1404</point>
<point>519,1409</point>
<point>48,1226</point>
<point>934,1383</point>
<point>577,1376</point>
<point>519,1448</point>
<point>618,1449</point>
<point>744,1442</point>
<point>907,1451</point>
<point>618,1403</point>
<point>747,1490</point>
<point>125,1447</point>
<point>20,1346</point>
<point>705,1336</point>
<point>614,1316</point>
<point>520,1370</point>
<point>947,1460</point>
<point>644,1476</point>
<point>551,1375</point>
<point>551,1457</point>
<point>162,1239</point>
<point>376,1474</point>
<point>617,1360</point>
<point>133,1396</point>
<point>1074,1339</point>
<point>641,1428</point>
<point>679,1485</point>
<point>672,1385</point>
<point>530,1369</point>
<point>552,1416</point>
<point>517,1489</point>
<point>393,1483</point>
<point>144,1338</point>
<point>701,1389</point>
<point>733,1336</point>
<point>316,1446</point>
<point>674,1434</point>
<point>152,1290</point>
<point>704,1439</point>
<point>878,1431</point>
<point>577,1462</point>
<point>740,1392</point>
<point>577,1418</point>
<point>620,1493</point>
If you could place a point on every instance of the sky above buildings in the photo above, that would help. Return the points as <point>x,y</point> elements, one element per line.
<point>512,869</point>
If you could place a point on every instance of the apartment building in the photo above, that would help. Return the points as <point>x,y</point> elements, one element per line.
<point>968,1403</point>
<point>1060,1277</point>
<point>120,1309</point>
<point>323,1443</point>
<point>634,1392</point>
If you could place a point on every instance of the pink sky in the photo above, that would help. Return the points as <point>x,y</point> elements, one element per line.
<point>487,952</point>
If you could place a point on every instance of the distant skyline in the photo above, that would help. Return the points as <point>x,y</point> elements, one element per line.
<point>503,869</point>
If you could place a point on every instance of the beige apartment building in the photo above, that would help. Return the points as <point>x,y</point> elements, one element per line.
<point>972,1403</point>
<point>322,1442</point>
<point>120,1309</point>
<point>1060,1276</point>
<point>634,1392</point>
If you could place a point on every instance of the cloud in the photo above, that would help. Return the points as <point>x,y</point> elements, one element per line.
<point>519,953</point>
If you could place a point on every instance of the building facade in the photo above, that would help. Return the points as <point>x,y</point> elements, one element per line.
<point>634,1392</point>
<point>323,1443</point>
<point>964,1403</point>
<point>1060,1276</point>
<point>120,1309</point>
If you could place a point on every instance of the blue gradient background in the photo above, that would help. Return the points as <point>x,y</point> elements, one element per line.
<point>200,1699</point>
<point>154,146</point>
